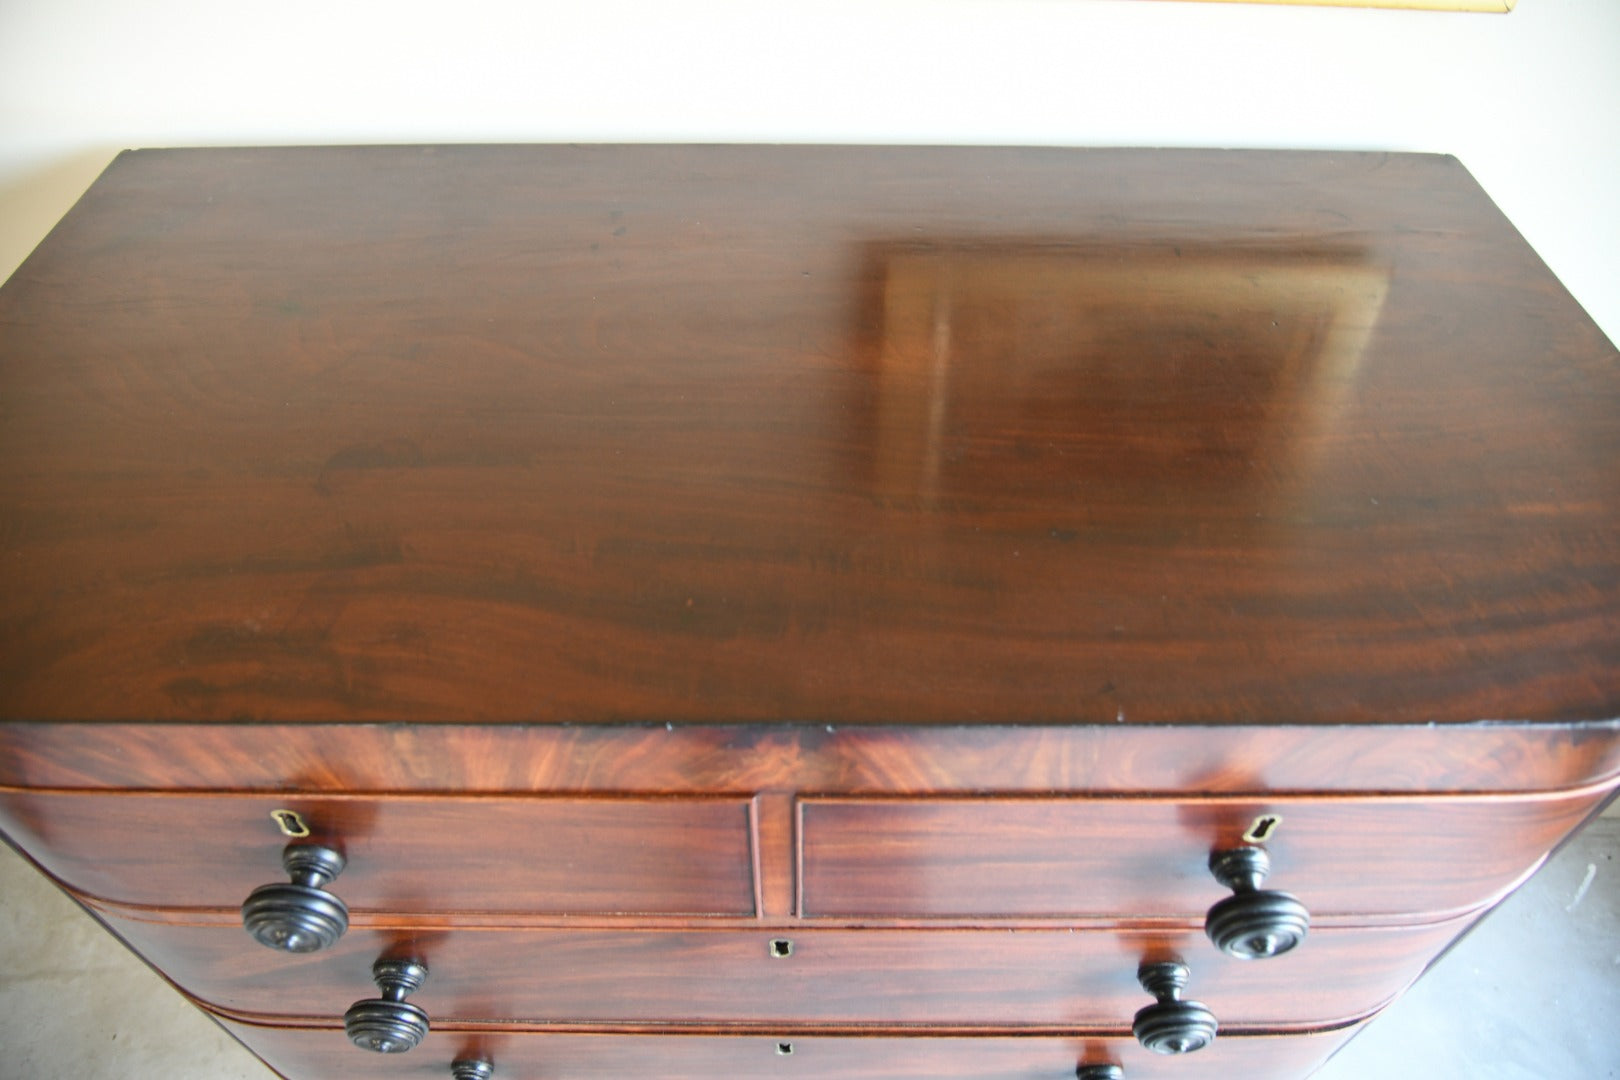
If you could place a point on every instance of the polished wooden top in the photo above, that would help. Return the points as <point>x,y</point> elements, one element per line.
<point>829,435</point>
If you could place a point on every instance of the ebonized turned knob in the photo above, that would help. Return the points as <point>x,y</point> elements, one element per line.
<point>1171,1026</point>
<point>471,1069</point>
<point>299,916</point>
<point>1099,1072</point>
<point>1253,923</point>
<point>389,1024</point>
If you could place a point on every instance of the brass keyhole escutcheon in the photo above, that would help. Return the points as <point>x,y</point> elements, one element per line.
<point>1263,829</point>
<point>781,947</point>
<point>291,823</point>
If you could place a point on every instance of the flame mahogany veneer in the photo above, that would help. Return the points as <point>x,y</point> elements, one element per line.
<point>800,612</point>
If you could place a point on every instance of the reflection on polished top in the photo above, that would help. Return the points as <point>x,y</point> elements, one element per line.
<point>802,434</point>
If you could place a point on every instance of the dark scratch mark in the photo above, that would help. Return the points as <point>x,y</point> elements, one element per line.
<point>392,454</point>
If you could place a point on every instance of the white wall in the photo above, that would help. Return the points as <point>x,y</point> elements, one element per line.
<point>1529,101</point>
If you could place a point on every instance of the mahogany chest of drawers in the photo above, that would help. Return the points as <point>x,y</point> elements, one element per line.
<point>799,612</point>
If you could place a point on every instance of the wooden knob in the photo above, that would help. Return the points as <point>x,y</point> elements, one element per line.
<point>1171,1026</point>
<point>389,1024</point>
<point>1253,923</point>
<point>299,916</point>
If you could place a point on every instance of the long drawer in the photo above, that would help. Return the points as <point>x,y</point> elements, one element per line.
<point>324,1054</point>
<point>951,978</point>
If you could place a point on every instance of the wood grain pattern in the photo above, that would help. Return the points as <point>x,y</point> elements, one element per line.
<point>945,979</point>
<point>517,435</point>
<point>1074,858</point>
<point>1048,859</point>
<point>776,851</point>
<point>343,758</point>
<point>426,855</point>
<point>542,522</point>
<point>319,1054</point>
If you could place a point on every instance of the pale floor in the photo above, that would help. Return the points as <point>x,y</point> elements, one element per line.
<point>1534,993</point>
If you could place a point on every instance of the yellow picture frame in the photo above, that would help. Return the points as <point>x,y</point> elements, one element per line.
<point>1497,7</point>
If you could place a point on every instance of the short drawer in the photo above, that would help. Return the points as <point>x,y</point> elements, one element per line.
<point>320,1053</point>
<point>433,854</point>
<point>952,978</point>
<point>1148,857</point>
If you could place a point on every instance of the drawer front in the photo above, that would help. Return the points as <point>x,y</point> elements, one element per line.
<point>964,979</point>
<point>680,856</point>
<point>324,1054</point>
<point>1078,858</point>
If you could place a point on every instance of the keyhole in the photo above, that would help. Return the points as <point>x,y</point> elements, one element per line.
<point>290,823</point>
<point>781,947</point>
<point>1262,829</point>
<point>784,1049</point>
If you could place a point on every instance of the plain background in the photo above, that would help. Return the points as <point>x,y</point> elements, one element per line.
<point>1529,101</point>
